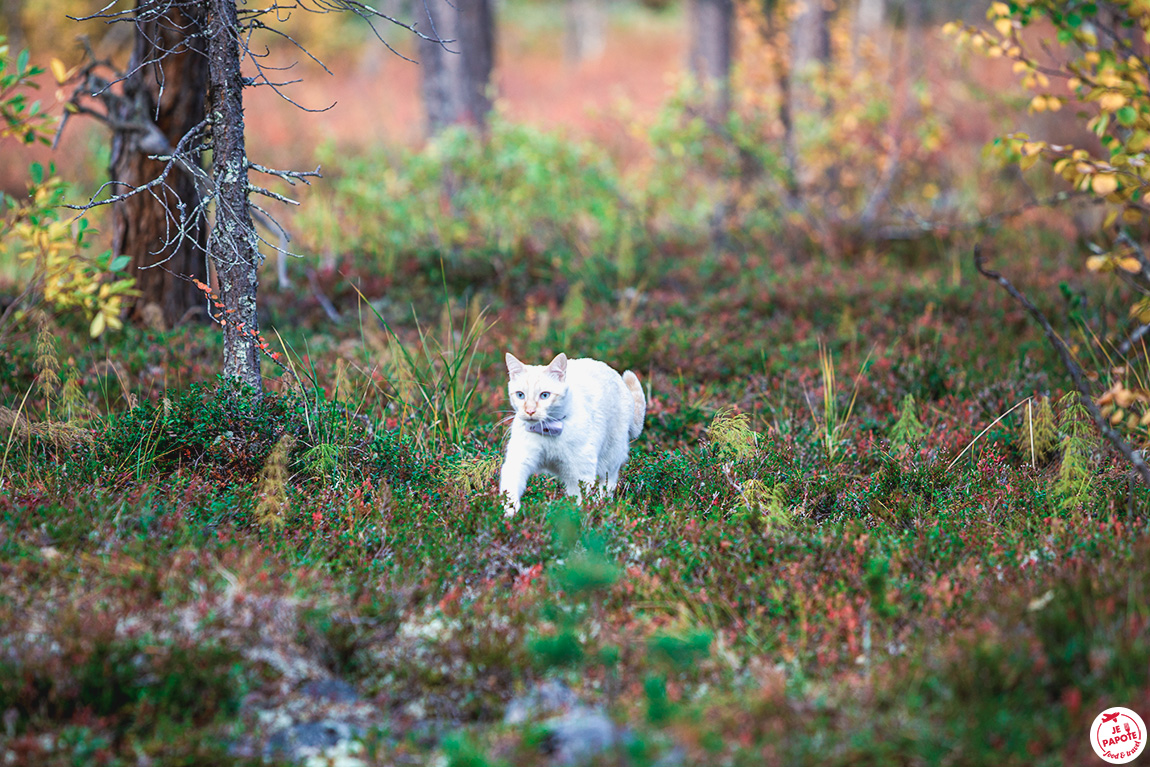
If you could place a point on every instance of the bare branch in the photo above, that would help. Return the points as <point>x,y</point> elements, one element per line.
<point>1133,456</point>
<point>269,193</point>
<point>289,176</point>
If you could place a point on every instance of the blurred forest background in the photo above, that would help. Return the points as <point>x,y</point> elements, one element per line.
<point>876,515</point>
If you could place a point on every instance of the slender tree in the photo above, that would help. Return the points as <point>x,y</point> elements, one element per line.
<point>162,99</point>
<point>456,77</point>
<point>12,13</point>
<point>233,244</point>
<point>584,30</point>
<point>224,33</point>
<point>712,44</point>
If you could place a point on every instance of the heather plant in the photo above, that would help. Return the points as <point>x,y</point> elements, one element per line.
<point>1037,436</point>
<point>731,432</point>
<point>907,430</point>
<point>1075,481</point>
<point>581,581</point>
<point>271,491</point>
<point>765,506</point>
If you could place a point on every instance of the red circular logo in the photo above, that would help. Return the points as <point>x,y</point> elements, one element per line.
<point>1118,735</point>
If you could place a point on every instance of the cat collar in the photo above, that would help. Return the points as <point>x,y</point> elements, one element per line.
<point>550,427</point>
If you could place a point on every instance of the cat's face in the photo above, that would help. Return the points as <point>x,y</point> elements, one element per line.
<point>537,391</point>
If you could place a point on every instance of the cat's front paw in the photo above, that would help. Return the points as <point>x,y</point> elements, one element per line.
<point>510,507</point>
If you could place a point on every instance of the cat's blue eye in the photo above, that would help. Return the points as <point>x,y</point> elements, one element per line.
<point>519,394</point>
<point>544,395</point>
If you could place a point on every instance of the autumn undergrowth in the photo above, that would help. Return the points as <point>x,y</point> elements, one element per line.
<point>749,597</point>
<point>865,521</point>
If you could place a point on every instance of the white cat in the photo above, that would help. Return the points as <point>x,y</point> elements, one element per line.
<point>574,420</point>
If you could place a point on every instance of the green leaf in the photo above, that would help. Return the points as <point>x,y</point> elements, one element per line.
<point>119,263</point>
<point>1127,115</point>
<point>1102,124</point>
<point>36,171</point>
<point>22,62</point>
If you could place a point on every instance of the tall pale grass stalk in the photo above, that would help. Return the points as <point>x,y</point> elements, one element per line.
<point>436,382</point>
<point>971,444</point>
<point>835,422</point>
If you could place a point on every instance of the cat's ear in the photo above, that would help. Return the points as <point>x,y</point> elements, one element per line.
<point>558,367</point>
<point>514,366</point>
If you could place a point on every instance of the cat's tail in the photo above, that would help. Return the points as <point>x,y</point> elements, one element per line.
<point>639,402</point>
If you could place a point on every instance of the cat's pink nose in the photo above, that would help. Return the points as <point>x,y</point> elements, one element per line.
<point>529,410</point>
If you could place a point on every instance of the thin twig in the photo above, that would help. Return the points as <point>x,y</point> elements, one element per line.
<point>1072,367</point>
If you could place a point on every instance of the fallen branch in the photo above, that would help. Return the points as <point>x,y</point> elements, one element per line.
<point>1133,456</point>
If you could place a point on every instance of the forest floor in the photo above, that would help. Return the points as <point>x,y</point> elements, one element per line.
<point>864,523</point>
<point>797,568</point>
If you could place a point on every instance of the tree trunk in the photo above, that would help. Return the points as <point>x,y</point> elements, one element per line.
<point>712,40</point>
<point>810,56</point>
<point>232,244</point>
<point>13,11</point>
<point>585,30</point>
<point>867,27</point>
<point>811,38</point>
<point>167,96</point>
<point>456,75</point>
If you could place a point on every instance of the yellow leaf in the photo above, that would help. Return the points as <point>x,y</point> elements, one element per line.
<point>1096,263</point>
<point>1038,103</point>
<point>1111,101</point>
<point>1131,215</point>
<point>1123,397</point>
<point>97,325</point>
<point>1130,264</point>
<point>1104,183</point>
<point>59,71</point>
<point>1072,84</point>
<point>1003,26</point>
<point>1053,103</point>
<point>1000,9</point>
<point>1109,79</point>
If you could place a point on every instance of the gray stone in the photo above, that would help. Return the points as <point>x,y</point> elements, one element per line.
<point>580,734</point>
<point>333,690</point>
<point>544,699</point>
<point>309,738</point>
